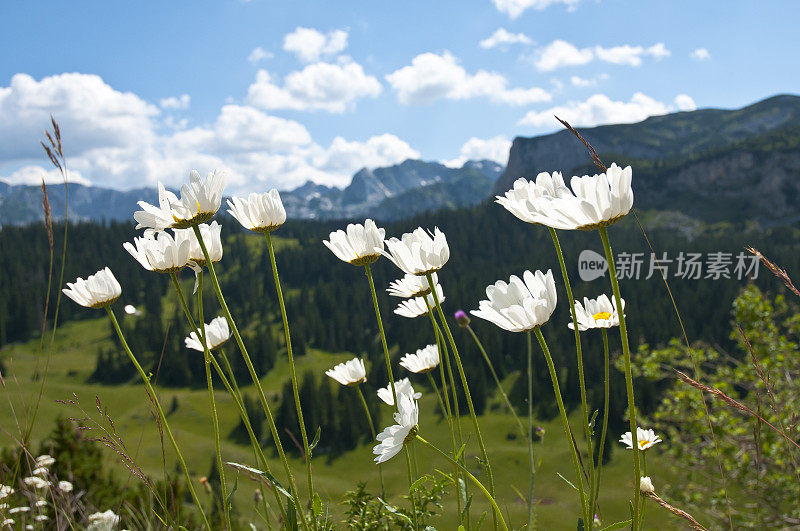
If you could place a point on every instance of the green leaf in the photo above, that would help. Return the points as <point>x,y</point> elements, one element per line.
<point>465,510</point>
<point>418,482</point>
<point>567,481</point>
<point>315,442</point>
<point>316,505</point>
<point>261,475</point>
<point>396,512</point>
<point>291,515</point>
<point>228,500</point>
<point>480,520</point>
<point>617,525</point>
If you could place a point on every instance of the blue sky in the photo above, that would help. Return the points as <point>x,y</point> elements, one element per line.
<point>279,93</point>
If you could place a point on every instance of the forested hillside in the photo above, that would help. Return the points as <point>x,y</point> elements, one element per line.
<point>330,309</point>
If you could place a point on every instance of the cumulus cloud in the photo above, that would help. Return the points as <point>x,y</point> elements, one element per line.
<point>684,102</point>
<point>310,45</point>
<point>176,102</point>
<point>502,37</point>
<point>495,149</point>
<point>514,8</point>
<point>578,81</point>
<point>259,54</point>
<point>94,114</point>
<point>560,53</point>
<point>33,175</point>
<point>319,86</point>
<point>432,76</point>
<point>600,109</point>
<point>700,54</point>
<point>119,140</point>
<point>346,157</point>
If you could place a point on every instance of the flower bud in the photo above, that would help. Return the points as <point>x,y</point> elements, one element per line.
<point>462,318</point>
<point>646,486</point>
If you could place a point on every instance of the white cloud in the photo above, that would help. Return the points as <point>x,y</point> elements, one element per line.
<point>259,54</point>
<point>503,37</point>
<point>495,149</point>
<point>345,158</point>
<point>514,8</point>
<point>119,140</point>
<point>600,109</point>
<point>658,51</point>
<point>630,55</point>
<point>175,102</point>
<point>560,53</point>
<point>33,175</point>
<point>430,77</point>
<point>578,81</point>
<point>700,54</point>
<point>319,86</point>
<point>92,112</point>
<point>310,45</point>
<point>684,102</point>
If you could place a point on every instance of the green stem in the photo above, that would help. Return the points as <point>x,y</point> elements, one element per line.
<point>407,451</point>
<point>374,436</point>
<point>292,371</point>
<point>465,385</point>
<point>587,432</point>
<point>626,357</point>
<point>444,359</point>
<point>214,418</point>
<point>471,477</point>
<point>436,389</point>
<point>496,379</point>
<point>530,429</point>
<point>644,498</point>
<point>234,392</point>
<point>565,423</point>
<point>256,381</point>
<point>607,386</point>
<point>368,271</point>
<point>162,418</point>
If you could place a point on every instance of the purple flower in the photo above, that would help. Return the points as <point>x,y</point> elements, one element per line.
<point>462,318</point>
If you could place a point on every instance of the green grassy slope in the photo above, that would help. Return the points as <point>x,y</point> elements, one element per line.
<point>73,362</point>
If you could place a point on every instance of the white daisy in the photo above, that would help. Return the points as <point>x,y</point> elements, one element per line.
<point>418,252</point>
<point>359,245</point>
<point>217,333</point>
<point>392,439</point>
<point>424,360</point>
<point>411,286</point>
<point>596,313</point>
<point>592,202</point>
<point>259,212</point>
<point>401,387</point>
<point>518,306</point>
<point>645,439</point>
<point>415,307</point>
<point>97,291</point>
<point>212,238</point>
<point>161,252</point>
<point>349,373</point>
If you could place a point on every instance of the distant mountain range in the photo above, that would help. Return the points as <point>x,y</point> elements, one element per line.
<point>708,165</point>
<point>390,193</point>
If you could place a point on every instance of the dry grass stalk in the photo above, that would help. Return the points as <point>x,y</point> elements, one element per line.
<point>713,391</point>
<point>48,218</point>
<point>677,512</point>
<point>777,271</point>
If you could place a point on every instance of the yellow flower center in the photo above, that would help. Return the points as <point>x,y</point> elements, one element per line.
<point>601,315</point>
<point>643,443</point>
